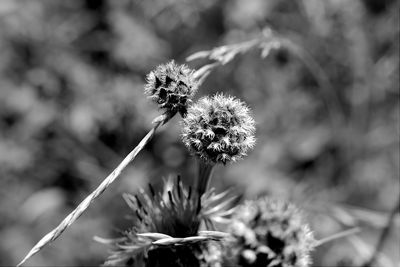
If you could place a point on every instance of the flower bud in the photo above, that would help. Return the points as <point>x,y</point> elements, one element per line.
<point>219,129</point>
<point>171,86</point>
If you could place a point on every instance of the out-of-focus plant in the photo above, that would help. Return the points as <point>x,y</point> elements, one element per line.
<point>269,232</point>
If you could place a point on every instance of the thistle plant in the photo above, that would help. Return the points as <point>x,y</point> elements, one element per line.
<point>180,225</point>
<point>217,129</point>
<point>269,232</point>
<point>167,232</point>
<point>171,86</point>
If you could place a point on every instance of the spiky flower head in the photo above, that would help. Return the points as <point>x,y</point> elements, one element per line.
<point>167,231</point>
<point>219,129</point>
<point>171,86</point>
<point>269,233</point>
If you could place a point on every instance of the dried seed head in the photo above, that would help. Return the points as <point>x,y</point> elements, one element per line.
<point>269,233</point>
<point>171,86</point>
<point>219,129</point>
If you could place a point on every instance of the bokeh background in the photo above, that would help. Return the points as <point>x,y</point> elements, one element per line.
<point>72,106</point>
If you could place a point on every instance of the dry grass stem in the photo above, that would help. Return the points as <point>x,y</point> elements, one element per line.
<point>74,215</point>
<point>345,233</point>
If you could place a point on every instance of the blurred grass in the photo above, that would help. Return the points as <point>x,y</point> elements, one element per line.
<point>72,106</point>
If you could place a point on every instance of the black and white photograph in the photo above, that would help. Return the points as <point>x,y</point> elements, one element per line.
<point>189,133</point>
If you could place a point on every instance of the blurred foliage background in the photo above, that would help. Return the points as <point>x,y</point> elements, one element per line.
<point>72,106</point>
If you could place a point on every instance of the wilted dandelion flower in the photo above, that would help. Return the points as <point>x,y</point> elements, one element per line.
<point>218,129</point>
<point>269,233</point>
<point>167,229</point>
<point>171,86</point>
